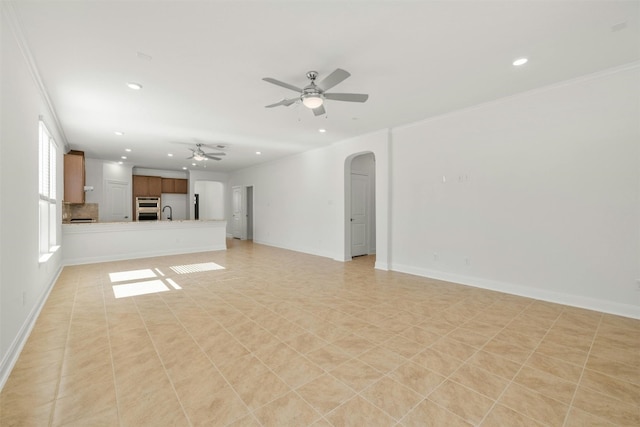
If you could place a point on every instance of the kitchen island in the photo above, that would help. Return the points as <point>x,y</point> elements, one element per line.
<point>86,243</point>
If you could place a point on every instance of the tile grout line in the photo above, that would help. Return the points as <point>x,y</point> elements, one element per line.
<point>258,299</point>
<point>155,347</point>
<point>494,336</point>
<point>64,352</point>
<point>325,371</point>
<point>249,411</point>
<point>495,401</point>
<point>584,367</point>
<point>520,369</point>
<point>405,361</point>
<point>386,374</point>
<point>292,389</point>
<point>113,366</point>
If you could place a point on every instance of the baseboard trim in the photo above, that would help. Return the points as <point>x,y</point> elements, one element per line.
<point>12,355</point>
<point>381,266</point>
<point>307,251</point>
<point>625,310</point>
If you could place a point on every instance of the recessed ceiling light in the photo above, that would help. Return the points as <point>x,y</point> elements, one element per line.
<point>258,153</point>
<point>134,86</point>
<point>520,61</point>
<point>170,154</point>
<point>119,133</point>
<point>184,168</point>
<point>322,130</point>
<point>193,164</point>
<point>123,157</point>
<point>120,162</point>
<point>128,150</point>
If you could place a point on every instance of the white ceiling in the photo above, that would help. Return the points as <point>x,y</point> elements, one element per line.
<point>202,66</point>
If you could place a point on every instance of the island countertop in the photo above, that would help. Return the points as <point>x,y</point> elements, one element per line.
<point>84,243</point>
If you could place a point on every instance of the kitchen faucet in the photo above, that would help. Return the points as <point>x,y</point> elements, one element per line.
<point>170,212</point>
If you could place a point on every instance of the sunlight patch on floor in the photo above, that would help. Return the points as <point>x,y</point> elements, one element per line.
<point>122,276</point>
<point>196,268</point>
<point>139,288</point>
<point>173,284</point>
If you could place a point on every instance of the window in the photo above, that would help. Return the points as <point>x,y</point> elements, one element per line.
<point>47,188</point>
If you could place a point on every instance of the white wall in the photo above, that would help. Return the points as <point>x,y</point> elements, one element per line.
<point>212,176</point>
<point>93,176</point>
<point>299,201</point>
<point>178,203</point>
<point>211,199</point>
<point>24,283</point>
<point>541,195</point>
<point>97,173</point>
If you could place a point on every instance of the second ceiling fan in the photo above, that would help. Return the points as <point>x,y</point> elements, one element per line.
<point>313,95</point>
<point>199,154</point>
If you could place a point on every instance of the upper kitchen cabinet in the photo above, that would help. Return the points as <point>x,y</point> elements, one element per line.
<point>147,186</point>
<point>174,186</point>
<point>74,177</point>
<point>182,186</point>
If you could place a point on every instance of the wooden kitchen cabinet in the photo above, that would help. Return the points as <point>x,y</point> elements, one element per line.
<point>155,186</point>
<point>74,177</point>
<point>174,186</point>
<point>181,186</point>
<point>147,186</point>
<point>168,185</point>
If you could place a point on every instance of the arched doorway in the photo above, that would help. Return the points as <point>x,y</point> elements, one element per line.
<point>360,205</point>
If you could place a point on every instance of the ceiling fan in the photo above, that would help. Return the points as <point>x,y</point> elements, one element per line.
<point>199,154</point>
<point>313,95</point>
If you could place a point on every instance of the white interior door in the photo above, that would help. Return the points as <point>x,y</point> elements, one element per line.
<point>249,214</point>
<point>237,208</point>
<point>359,220</point>
<point>117,201</point>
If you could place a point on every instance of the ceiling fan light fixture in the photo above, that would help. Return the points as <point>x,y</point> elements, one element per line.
<point>134,85</point>
<point>198,157</point>
<point>312,100</point>
<point>520,61</point>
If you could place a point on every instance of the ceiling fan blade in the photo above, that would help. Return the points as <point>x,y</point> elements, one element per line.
<point>208,156</point>
<point>214,146</point>
<point>333,79</point>
<point>216,154</point>
<point>285,102</point>
<point>319,111</point>
<point>283,84</point>
<point>349,97</point>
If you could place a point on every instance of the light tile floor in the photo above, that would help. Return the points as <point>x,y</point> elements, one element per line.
<point>280,338</point>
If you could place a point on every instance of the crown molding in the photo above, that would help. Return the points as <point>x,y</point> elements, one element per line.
<point>6,8</point>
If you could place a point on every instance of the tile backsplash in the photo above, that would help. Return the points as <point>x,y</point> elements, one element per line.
<point>74,211</point>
